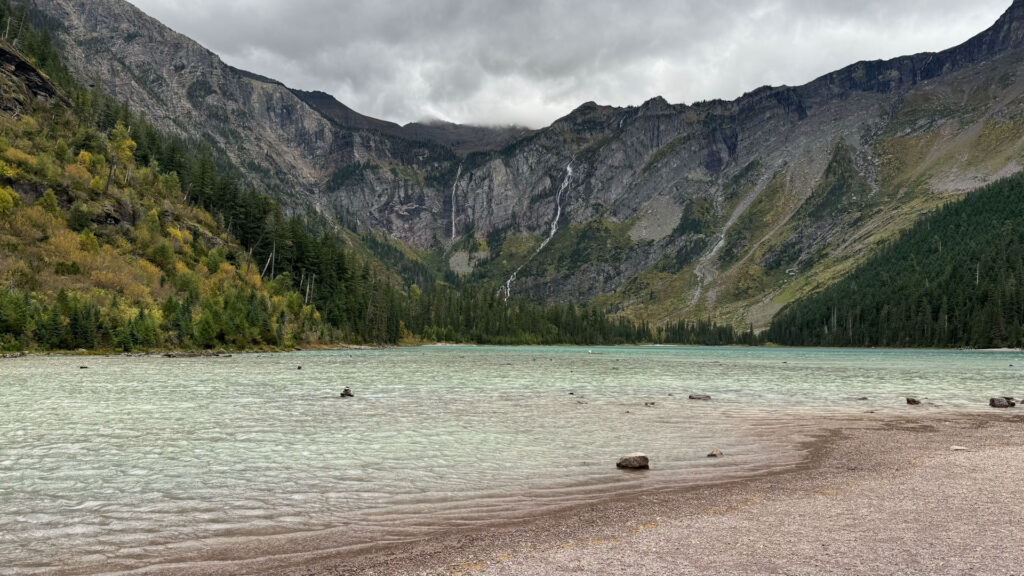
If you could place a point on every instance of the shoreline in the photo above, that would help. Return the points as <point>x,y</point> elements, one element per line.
<point>193,353</point>
<point>869,466</point>
<point>183,352</point>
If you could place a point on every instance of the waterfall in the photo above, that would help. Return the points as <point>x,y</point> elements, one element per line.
<point>455,186</point>
<point>558,207</point>
<point>554,229</point>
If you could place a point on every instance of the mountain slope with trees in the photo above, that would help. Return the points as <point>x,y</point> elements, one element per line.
<point>955,279</point>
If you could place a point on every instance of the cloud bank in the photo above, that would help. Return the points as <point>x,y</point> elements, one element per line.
<point>529,62</point>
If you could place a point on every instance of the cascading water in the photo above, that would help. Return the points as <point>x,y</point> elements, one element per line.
<point>554,229</point>
<point>455,186</point>
<point>558,207</point>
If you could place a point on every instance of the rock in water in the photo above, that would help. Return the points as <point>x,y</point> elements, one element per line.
<point>347,393</point>
<point>636,461</point>
<point>913,401</point>
<point>699,397</point>
<point>1001,403</point>
<point>716,454</point>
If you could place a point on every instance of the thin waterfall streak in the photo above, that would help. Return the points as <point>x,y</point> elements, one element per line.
<point>558,207</point>
<point>554,229</point>
<point>455,186</point>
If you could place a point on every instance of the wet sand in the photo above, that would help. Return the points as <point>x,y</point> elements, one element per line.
<point>878,496</point>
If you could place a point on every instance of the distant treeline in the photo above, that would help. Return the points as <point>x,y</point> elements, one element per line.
<point>954,279</point>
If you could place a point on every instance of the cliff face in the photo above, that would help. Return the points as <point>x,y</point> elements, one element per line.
<point>21,82</point>
<point>658,211</point>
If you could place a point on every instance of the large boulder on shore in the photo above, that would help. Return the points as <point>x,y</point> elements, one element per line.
<point>636,461</point>
<point>1001,402</point>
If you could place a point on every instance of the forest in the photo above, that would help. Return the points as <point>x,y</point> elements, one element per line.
<point>954,279</point>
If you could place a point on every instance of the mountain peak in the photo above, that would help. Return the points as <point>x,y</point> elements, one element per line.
<point>1006,34</point>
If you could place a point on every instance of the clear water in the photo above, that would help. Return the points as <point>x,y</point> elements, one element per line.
<point>136,462</point>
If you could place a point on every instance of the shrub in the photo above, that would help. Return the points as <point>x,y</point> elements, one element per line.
<point>8,200</point>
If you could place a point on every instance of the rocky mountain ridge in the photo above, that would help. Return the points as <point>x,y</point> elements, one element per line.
<point>727,209</point>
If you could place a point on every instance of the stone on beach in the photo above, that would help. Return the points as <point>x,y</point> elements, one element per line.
<point>1001,403</point>
<point>700,397</point>
<point>637,461</point>
<point>716,454</point>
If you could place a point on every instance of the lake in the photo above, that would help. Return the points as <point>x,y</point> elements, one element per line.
<point>142,461</point>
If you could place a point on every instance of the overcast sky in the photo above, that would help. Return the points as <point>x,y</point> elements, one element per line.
<point>532,61</point>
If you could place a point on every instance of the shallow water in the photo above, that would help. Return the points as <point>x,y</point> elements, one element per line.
<point>136,462</point>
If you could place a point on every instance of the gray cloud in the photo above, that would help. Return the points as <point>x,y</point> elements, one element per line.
<point>530,62</point>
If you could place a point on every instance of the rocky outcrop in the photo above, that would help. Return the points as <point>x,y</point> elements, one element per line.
<point>21,82</point>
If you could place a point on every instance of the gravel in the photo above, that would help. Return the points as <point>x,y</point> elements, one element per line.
<point>880,496</point>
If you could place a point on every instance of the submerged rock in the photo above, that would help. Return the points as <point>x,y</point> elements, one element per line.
<point>700,397</point>
<point>636,461</point>
<point>1001,403</point>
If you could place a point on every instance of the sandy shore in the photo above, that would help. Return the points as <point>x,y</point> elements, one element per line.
<point>878,496</point>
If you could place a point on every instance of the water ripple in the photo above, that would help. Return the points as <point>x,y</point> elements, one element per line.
<point>139,461</point>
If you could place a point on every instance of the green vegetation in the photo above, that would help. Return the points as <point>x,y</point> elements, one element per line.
<point>100,252</point>
<point>842,190</point>
<point>767,210</point>
<point>955,279</point>
<point>575,246</point>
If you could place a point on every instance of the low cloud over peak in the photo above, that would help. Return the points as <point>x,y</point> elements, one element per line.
<point>494,62</point>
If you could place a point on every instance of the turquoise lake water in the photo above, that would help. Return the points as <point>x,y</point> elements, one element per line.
<point>143,461</point>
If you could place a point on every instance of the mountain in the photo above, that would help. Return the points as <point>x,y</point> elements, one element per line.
<point>655,212</point>
<point>462,139</point>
